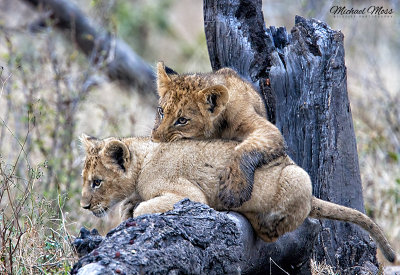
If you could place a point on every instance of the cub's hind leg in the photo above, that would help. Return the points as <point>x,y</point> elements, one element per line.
<point>288,208</point>
<point>292,202</point>
<point>270,226</point>
<point>274,224</point>
<point>265,229</point>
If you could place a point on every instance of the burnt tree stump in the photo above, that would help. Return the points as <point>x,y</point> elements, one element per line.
<point>301,75</point>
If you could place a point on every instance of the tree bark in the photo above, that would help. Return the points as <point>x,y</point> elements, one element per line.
<point>191,239</point>
<point>122,63</point>
<point>302,78</point>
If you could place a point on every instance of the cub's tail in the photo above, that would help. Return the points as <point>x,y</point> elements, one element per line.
<point>326,210</point>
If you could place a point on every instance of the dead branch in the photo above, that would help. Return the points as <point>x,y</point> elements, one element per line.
<point>121,62</point>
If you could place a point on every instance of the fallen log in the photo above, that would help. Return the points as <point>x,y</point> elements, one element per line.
<point>191,239</point>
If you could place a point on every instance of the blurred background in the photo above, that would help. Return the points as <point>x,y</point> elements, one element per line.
<point>50,94</point>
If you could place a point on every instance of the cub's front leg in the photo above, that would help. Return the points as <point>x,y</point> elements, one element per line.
<point>174,192</point>
<point>262,144</point>
<point>159,204</point>
<point>128,206</point>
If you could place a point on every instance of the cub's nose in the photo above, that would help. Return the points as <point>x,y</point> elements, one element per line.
<point>86,206</point>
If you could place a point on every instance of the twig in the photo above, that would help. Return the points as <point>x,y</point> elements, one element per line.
<point>270,266</point>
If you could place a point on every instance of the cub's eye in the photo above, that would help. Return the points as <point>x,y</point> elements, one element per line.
<point>181,121</point>
<point>96,183</point>
<point>160,112</point>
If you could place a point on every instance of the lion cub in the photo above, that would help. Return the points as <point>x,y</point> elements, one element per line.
<point>219,105</point>
<point>152,177</point>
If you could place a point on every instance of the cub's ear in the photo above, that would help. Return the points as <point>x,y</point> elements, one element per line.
<point>170,71</point>
<point>163,77</point>
<point>115,156</point>
<point>90,144</point>
<point>214,99</point>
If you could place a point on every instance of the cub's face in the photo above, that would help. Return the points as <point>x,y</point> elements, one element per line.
<point>179,118</point>
<point>189,107</point>
<point>104,175</point>
<point>98,192</point>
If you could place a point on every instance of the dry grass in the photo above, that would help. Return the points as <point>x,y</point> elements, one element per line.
<point>33,236</point>
<point>322,269</point>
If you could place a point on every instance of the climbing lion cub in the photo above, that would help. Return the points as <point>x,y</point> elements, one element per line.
<point>152,177</point>
<point>219,105</point>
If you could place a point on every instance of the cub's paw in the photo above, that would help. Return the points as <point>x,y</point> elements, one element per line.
<point>142,209</point>
<point>235,187</point>
<point>127,208</point>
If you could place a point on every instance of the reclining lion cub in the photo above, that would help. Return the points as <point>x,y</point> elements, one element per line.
<point>152,177</point>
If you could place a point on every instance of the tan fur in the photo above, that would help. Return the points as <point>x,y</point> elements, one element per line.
<point>219,105</point>
<point>157,175</point>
